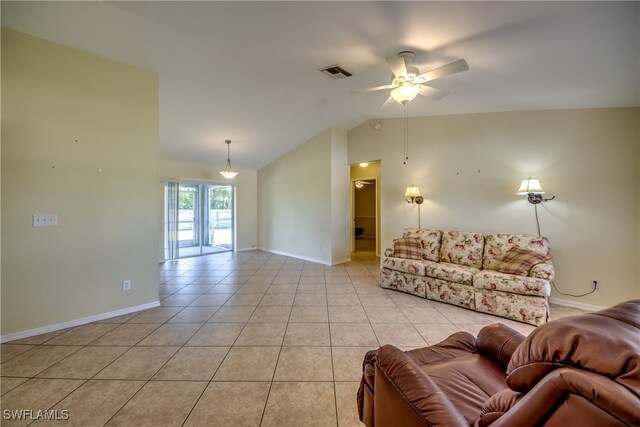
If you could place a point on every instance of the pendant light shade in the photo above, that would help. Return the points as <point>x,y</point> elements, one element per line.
<point>228,173</point>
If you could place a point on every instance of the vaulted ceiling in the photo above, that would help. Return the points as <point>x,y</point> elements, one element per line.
<point>247,71</point>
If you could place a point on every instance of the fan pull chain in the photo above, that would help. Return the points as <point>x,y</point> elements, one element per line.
<point>406,132</point>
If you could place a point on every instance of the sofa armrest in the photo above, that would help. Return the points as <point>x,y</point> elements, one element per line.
<point>588,398</point>
<point>389,252</point>
<point>498,342</point>
<point>544,270</point>
<point>406,396</point>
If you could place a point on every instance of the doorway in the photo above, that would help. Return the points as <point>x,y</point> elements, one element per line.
<point>364,203</point>
<point>199,219</point>
<point>365,210</point>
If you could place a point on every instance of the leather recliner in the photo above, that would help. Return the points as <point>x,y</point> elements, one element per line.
<point>576,371</point>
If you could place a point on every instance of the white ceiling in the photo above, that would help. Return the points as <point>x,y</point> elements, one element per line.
<point>246,71</point>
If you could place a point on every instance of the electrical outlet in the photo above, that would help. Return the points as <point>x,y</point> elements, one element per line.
<point>595,283</point>
<point>126,285</point>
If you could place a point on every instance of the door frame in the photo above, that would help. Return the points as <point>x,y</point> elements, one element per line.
<point>200,185</point>
<point>353,212</point>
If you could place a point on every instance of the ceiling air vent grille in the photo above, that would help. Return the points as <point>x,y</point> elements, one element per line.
<point>335,72</point>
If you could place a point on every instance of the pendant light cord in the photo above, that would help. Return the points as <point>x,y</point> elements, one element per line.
<point>228,155</point>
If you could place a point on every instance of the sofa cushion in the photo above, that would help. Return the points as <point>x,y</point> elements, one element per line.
<point>523,285</point>
<point>399,281</point>
<point>430,241</point>
<point>468,381</point>
<point>530,309</point>
<point>411,266</point>
<point>407,247</point>
<point>450,292</point>
<point>451,272</point>
<point>462,248</point>
<point>520,261</point>
<point>497,245</point>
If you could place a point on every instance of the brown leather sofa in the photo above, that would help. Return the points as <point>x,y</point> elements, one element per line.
<point>576,371</point>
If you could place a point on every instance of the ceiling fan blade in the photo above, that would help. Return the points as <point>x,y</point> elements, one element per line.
<point>398,66</point>
<point>388,102</point>
<point>372,89</point>
<point>446,70</point>
<point>432,92</point>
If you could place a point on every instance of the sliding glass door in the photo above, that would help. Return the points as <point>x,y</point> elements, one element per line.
<point>199,219</point>
<point>217,218</point>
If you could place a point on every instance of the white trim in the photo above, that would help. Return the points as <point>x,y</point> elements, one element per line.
<point>319,261</point>
<point>247,249</point>
<point>341,261</point>
<point>77,322</point>
<point>573,304</point>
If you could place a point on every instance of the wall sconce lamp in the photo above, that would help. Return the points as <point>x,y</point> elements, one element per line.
<point>533,190</point>
<point>412,195</point>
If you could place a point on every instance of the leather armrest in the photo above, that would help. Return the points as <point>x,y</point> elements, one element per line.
<point>498,342</point>
<point>604,396</point>
<point>405,395</point>
<point>368,367</point>
<point>456,345</point>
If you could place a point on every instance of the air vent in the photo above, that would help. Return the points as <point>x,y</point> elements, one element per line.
<point>335,72</point>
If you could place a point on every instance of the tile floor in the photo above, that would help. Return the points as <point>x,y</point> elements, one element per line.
<point>242,339</point>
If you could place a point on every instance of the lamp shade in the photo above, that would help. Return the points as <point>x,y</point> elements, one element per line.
<point>412,192</point>
<point>530,186</point>
<point>405,93</point>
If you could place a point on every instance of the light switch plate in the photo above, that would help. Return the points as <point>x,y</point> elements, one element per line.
<point>45,220</point>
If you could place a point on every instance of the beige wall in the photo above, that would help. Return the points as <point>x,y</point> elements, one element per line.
<point>340,224</point>
<point>246,195</point>
<point>65,115</point>
<point>298,200</point>
<point>468,168</point>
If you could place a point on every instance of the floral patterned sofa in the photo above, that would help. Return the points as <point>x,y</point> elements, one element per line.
<point>460,268</point>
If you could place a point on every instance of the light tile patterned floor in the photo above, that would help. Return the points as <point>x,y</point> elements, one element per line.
<point>241,339</point>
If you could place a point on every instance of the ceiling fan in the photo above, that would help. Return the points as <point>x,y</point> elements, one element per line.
<point>407,82</point>
<point>360,184</point>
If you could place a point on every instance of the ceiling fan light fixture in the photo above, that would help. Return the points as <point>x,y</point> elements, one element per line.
<point>228,173</point>
<point>405,93</point>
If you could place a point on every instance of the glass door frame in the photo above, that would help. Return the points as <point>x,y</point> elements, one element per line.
<point>199,212</point>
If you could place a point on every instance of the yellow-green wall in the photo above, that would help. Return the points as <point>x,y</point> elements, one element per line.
<point>67,114</point>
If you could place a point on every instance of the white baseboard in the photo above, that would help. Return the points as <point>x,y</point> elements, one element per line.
<point>573,304</point>
<point>341,261</point>
<point>77,322</point>
<point>304,258</point>
<point>247,249</point>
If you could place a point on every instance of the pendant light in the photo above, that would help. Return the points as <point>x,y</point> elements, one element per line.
<point>228,173</point>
